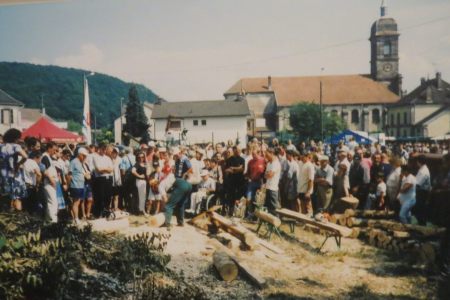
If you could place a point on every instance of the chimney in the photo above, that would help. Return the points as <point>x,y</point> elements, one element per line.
<point>422,81</point>
<point>269,83</point>
<point>438,80</point>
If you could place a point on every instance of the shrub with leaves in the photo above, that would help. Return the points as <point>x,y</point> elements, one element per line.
<point>59,261</point>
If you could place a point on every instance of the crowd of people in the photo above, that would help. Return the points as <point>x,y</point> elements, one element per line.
<point>80,182</point>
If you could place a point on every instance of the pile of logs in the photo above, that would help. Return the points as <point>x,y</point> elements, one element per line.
<point>380,229</point>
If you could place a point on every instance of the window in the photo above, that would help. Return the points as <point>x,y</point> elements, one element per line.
<point>195,122</point>
<point>334,113</point>
<point>7,116</point>
<point>175,125</point>
<point>203,122</point>
<point>398,119</point>
<point>405,118</point>
<point>404,133</point>
<point>376,116</point>
<point>392,119</point>
<point>355,116</point>
<point>387,49</point>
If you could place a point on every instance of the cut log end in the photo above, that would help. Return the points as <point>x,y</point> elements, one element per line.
<point>226,267</point>
<point>157,220</point>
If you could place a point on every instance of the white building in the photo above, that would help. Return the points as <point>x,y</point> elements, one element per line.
<point>10,115</point>
<point>201,121</point>
<point>423,113</point>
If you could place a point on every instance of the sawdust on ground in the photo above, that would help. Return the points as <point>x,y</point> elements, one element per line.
<point>356,271</point>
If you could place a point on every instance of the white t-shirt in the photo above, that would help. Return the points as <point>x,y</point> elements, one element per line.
<point>381,188</point>
<point>306,173</point>
<point>103,162</point>
<point>423,179</point>
<point>166,184</point>
<point>393,179</point>
<point>197,166</point>
<point>275,167</point>
<point>30,167</point>
<point>411,193</point>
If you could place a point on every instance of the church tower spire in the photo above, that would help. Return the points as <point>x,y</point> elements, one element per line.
<point>383,8</point>
<point>384,63</point>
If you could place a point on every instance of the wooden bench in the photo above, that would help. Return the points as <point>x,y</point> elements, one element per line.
<point>331,230</point>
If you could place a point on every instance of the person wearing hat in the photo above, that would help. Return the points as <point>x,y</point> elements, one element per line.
<point>323,180</point>
<point>76,179</point>
<point>342,159</point>
<point>206,187</point>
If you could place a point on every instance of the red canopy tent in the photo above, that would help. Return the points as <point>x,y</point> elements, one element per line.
<point>46,131</point>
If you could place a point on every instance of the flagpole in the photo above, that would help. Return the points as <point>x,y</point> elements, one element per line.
<point>86,112</point>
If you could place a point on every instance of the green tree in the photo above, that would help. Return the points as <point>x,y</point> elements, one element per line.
<point>136,121</point>
<point>305,121</point>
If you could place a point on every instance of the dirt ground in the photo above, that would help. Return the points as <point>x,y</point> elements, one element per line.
<point>356,271</point>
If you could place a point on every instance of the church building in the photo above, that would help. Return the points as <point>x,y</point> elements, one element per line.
<point>361,100</point>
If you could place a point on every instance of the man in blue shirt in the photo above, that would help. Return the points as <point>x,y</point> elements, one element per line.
<point>76,179</point>
<point>182,165</point>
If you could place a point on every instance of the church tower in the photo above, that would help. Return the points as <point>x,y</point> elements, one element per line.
<point>384,63</point>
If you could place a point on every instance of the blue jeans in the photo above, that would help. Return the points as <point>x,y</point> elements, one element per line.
<point>177,200</point>
<point>405,211</point>
<point>252,187</point>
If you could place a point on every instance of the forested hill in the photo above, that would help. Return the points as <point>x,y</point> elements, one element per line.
<point>62,91</point>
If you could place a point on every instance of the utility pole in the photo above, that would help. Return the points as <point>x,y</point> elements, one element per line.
<point>321,106</point>
<point>121,120</point>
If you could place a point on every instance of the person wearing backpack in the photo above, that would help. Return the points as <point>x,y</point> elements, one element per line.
<point>12,156</point>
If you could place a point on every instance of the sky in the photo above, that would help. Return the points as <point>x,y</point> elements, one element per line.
<point>197,49</point>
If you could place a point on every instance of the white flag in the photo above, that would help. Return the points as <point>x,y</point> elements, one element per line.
<point>86,115</point>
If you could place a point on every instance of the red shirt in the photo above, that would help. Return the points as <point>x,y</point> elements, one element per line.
<point>256,168</point>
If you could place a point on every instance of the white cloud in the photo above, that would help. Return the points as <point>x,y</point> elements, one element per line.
<point>90,57</point>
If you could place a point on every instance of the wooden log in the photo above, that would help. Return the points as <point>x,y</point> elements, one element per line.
<point>334,228</point>
<point>356,222</point>
<point>401,234</point>
<point>116,215</point>
<point>267,217</point>
<point>429,252</point>
<point>157,220</point>
<point>355,233</point>
<point>250,273</point>
<point>339,219</point>
<point>370,214</point>
<point>226,267</point>
<point>202,220</point>
<point>228,240</point>
<point>423,231</point>
<point>345,203</point>
<point>238,231</point>
<point>104,225</point>
<point>373,236</point>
